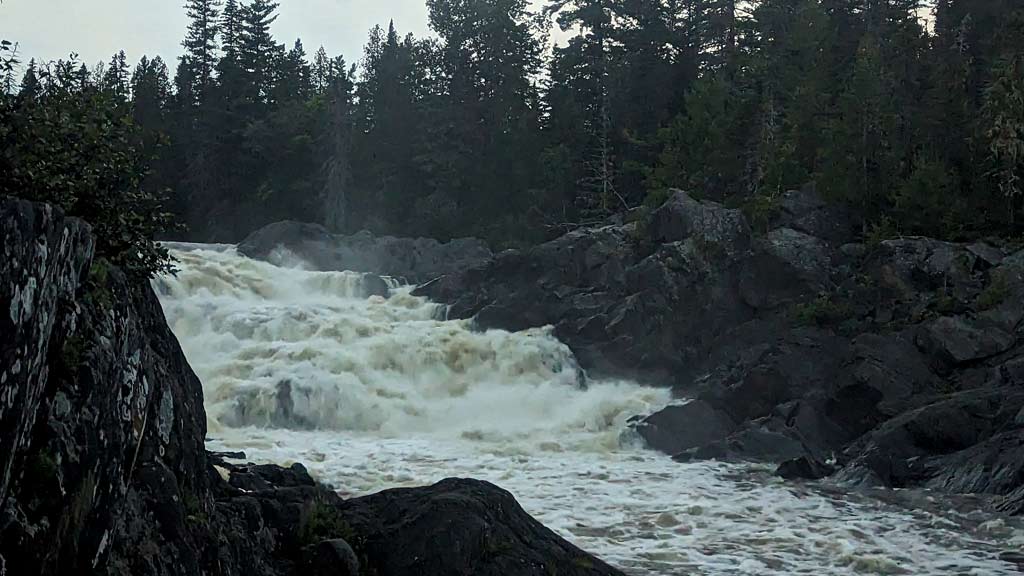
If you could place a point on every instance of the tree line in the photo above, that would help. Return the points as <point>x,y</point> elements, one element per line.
<point>912,115</point>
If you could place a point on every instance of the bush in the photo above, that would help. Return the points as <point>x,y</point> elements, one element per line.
<point>74,145</point>
<point>321,521</point>
<point>822,311</point>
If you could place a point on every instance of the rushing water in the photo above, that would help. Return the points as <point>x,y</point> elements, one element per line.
<point>372,393</point>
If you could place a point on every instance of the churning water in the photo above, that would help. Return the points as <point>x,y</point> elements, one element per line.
<point>374,392</point>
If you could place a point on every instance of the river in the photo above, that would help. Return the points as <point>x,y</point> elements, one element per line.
<point>382,391</point>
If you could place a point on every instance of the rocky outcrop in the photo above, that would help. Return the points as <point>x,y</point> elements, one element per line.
<point>794,343</point>
<point>459,527</point>
<point>412,259</point>
<point>104,469</point>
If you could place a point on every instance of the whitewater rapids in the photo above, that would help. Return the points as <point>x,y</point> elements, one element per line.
<point>373,392</point>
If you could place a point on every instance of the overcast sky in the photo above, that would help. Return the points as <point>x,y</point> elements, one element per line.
<point>96,29</point>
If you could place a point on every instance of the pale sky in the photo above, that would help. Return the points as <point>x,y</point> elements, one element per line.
<point>96,29</point>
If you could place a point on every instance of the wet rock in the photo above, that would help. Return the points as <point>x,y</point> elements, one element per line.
<point>374,285</point>
<point>332,558</point>
<point>414,259</point>
<point>678,428</point>
<point>956,444</point>
<point>804,468</point>
<point>752,444</point>
<point>460,527</point>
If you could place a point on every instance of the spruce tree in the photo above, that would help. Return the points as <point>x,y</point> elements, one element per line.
<point>200,44</point>
<point>259,53</point>
<point>116,77</point>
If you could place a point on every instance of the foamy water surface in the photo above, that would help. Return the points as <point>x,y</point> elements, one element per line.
<point>379,392</point>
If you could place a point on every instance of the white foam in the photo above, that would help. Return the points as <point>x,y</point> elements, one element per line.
<point>373,393</point>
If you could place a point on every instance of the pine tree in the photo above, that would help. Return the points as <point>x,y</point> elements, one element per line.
<point>321,72</point>
<point>115,78</point>
<point>294,81</point>
<point>489,111</point>
<point>231,28</point>
<point>30,85</point>
<point>259,53</point>
<point>200,58</point>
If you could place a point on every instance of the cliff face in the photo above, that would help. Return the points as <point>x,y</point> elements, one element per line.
<point>103,468</point>
<point>102,423</point>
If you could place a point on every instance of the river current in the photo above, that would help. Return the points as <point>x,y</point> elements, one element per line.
<point>376,392</point>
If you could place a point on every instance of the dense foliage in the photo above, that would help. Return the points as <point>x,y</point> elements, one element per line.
<point>911,114</point>
<point>69,140</point>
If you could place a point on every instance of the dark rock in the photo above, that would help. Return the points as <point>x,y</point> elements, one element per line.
<point>958,340</point>
<point>708,223</point>
<point>374,285</point>
<point>415,259</point>
<point>787,265</point>
<point>953,443</point>
<point>987,253</point>
<point>678,428</point>
<point>805,211</point>
<point>459,527</point>
<point>804,468</point>
<point>753,443</point>
<point>44,260</point>
<point>332,558</point>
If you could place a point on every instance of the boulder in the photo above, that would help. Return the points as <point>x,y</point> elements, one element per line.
<point>710,224</point>
<point>787,266</point>
<point>804,468</point>
<point>959,340</point>
<point>332,558</point>
<point>805,211</point>
<point>681,427</point>
<point>460,528</point>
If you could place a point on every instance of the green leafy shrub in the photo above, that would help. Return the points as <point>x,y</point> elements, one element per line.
<point>74,145</point>
<point>321,521</point>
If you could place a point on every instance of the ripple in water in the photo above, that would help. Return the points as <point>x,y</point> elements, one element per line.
<point>374,393</point>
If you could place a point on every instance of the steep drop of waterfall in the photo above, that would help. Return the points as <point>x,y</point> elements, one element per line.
<point>372,388</point>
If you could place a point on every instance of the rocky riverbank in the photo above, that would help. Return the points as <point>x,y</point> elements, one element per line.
<point>895,362</point>
<point>103,468</point>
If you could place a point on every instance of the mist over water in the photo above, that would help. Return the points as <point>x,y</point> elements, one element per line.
<point>372,392</point>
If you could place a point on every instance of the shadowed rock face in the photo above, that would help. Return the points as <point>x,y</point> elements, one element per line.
<point>104,469</point>
<point>797,345</point>
<point>414,259</point>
